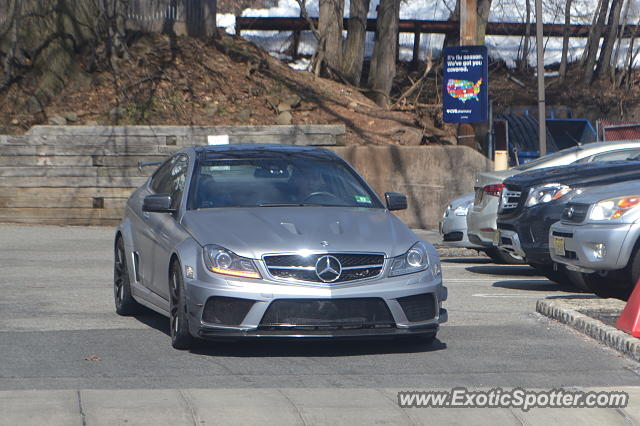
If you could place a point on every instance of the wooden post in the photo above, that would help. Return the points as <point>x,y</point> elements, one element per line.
<point>542,115</point>
<point>468,22</point>
<point>416,48</point>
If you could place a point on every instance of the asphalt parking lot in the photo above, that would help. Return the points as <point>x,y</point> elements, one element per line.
<point>59,331</point>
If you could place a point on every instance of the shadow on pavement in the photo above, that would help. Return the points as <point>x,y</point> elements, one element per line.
<point>478,260</point>
<point>534,285</point>
<point>323,348</point>
<point>257,347</point>
<point>524,270</point>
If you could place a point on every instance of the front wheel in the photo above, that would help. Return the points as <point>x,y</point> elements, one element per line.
<point>125,303</point>
<point>180,336</point>
<point>607,284</point>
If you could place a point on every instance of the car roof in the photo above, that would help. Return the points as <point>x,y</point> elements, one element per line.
<point>241,151</point>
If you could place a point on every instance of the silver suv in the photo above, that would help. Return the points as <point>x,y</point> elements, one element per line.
<point>599,235</point>
<point>234,242</point>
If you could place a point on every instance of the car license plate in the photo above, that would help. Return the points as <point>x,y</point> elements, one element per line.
<point>496,238</point>
<point>558,246</point>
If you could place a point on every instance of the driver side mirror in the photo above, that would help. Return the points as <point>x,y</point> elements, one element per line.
<point>157,203</point>
<point>395,201</point>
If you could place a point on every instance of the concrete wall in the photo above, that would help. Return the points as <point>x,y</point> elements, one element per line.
<point>430,176</point>
<point>82,175</point>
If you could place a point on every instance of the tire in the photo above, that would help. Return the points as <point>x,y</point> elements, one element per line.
<point>502,258</point>
<point>606,284</point>
<point>548,271</point>
<point>178,323</point>
<point>577,280</point>
<point>124,301</point>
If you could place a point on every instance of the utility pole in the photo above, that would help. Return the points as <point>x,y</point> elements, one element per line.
<point>542,125</point>
<point>468,22</point>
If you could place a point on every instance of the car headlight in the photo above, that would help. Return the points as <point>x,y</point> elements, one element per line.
<point>414,260</point>
<point>613,208</point>
<point>545,193</point>
<point>463,209</point>
<point>222,261</point>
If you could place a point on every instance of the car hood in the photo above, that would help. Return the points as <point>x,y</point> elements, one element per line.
<point>599,193</point>
<point>252,232</point>
<point>580,175</point>
<point>492,178</point>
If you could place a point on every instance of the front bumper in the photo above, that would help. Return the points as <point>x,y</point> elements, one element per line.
<point>453,229</point>
<point>580,244</point>
<point>260,295</point>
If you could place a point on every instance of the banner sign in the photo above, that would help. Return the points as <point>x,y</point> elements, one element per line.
<point>465,92</point>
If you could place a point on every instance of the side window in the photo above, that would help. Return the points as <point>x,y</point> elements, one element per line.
<point>170,178</point>
<point>621,154</point>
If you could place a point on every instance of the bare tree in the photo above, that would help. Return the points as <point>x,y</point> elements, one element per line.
<point>330,29</point>
<point>383,62</point>
<point>616,56</point>
<point>565,40</point>
<point>604,62</point>
<point>353,53</point>
<point>593,42</point>
<point>524,60</point>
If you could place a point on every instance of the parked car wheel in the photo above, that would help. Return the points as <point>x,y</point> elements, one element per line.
<point>125,304</point>
<point>180,336</point>
<point>607,284</point>
<point>502,257</point>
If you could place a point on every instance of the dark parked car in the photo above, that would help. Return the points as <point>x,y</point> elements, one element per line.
<point>533,201</point>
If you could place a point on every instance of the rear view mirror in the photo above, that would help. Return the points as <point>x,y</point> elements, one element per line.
<point>395,200</point>
<point>157,203</point>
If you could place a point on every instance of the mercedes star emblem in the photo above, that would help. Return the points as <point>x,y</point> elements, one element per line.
<point>328,269</point>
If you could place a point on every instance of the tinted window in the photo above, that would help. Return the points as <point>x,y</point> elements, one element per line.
<point>272,182</point>
<point>170,178</point>
<point>618,155</point>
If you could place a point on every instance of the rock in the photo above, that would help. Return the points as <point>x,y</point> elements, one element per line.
<point>15,122</point>
<point>283,106</point>
<point>57,120</point>
<point>284,118</point>
<point>211,108</point>
<point>71,116</point>
<point>352,105</point>
<point>293,100</point>
<point>117,112</point>
<point>244,115</point>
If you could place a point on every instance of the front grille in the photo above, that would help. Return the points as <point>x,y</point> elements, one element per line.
<point>370,312</point>
<point>509,200</point>
<point>453,236</point>
<point>226,310</point>
<point>575,212</point>
<point>354,266</point>
<point>421,307</point>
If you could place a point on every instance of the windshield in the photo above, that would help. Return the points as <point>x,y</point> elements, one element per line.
<point>538,161</point>
<point>277,182</point>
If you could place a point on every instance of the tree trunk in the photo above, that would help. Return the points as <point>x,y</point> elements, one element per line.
<point>594,42</point>
<point>330,28</point>
<point>353,54</point>
<point>616,55</point>
<point>483,7</point>
<point>383,61</point>
<point>604,62</point>
<point>524,60</point>
<point>565,40</point>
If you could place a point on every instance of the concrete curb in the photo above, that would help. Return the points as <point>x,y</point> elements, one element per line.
<point>565,312</point>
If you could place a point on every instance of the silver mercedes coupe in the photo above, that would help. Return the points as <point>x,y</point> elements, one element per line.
<point>272,241</point>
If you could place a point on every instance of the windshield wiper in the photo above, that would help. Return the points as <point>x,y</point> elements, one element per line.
<point>290,205</point>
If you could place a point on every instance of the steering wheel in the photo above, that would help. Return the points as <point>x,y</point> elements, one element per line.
<point>320,193</point>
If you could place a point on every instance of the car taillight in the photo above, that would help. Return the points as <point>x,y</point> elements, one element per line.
<point>494,190</point>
